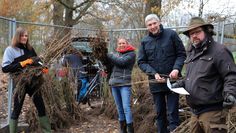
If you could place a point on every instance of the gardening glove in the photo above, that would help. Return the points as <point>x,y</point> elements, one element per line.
<point>229,101</point>
<point>45,70</point>
<point>26,62</point>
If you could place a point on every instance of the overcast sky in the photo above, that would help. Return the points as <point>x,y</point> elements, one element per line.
<point>223,7</point>
<point>181,14</point>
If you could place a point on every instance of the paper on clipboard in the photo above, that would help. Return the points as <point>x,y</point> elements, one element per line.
<point>179,90</point>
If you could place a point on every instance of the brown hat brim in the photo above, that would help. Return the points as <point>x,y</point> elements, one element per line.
<point>196,26</point>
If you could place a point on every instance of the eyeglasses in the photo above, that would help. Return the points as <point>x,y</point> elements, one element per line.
<point>197,32</point>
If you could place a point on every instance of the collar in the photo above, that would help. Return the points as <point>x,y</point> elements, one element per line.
<point>158,35</point>
<point>128,48</point>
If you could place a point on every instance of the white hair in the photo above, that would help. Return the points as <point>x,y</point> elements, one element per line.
<point>151,17</point>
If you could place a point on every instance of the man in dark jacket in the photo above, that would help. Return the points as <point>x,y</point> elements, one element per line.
<point>210,79</point>
<point>162,52</point>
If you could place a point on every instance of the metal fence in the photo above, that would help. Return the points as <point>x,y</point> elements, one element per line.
<point>39,33</point>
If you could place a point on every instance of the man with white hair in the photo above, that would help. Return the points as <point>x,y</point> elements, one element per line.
<point>162,53</point>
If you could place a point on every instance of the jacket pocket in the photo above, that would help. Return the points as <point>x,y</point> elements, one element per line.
<point>150,52</point>
<point>168,50</point>
<point>205,64</point>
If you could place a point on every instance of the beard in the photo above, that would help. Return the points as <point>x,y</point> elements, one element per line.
<point>197,43</point>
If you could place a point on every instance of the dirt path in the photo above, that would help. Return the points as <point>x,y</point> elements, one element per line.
<point>97,124</point>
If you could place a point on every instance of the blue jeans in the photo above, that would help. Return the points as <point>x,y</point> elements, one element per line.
<point>161,99</point>
<point>82,89</point>
<point>122,95</point>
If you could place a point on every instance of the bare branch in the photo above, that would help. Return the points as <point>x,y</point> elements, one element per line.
<point>84,10</point>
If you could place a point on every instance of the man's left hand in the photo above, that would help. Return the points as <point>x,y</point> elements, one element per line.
<point>229,101</point>
<point>174,74</point>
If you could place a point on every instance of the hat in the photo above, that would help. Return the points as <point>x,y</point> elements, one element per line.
<point>196,22</point>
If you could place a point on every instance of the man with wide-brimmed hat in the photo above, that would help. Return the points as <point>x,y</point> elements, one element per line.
<point>210,79</point>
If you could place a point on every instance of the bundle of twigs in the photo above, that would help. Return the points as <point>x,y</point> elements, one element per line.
<point>32,77</point>
<point>55,48</point>
<point>100,50</point>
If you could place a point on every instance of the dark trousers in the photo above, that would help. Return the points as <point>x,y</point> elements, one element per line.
<point>167,105</point>
<point>37,99</point>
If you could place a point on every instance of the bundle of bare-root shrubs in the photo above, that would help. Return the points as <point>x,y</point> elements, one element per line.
<point>99,51</point>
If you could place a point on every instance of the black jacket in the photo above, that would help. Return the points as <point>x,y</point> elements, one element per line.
<point>210,75</point>
<point>161,54</point>
<point>122,69</point>
<point>13,56</point>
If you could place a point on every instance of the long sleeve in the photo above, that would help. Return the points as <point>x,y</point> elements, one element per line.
<point>123,60</point>
<point>142,62</point>
<point>227,69</point>
<point>180,52</point>
<point>8,63</point>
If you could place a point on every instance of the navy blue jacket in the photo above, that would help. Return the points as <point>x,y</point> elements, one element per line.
<point>161,54</point>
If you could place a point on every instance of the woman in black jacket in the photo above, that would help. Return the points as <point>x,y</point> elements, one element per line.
<point>16,58</point>
<point>120,82</point>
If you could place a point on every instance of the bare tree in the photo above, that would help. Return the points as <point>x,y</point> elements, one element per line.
<point>69,12</point>
<point>153,6</point>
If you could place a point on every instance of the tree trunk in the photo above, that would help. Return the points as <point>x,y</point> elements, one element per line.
<point>58,12</point>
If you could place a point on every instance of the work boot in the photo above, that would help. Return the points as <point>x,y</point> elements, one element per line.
<point>45,124</point>
<point>123,127</point>
<point>130,128</point>
<point>13,125</point>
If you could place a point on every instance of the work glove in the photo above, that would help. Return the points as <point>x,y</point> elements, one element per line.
<point>45,70</point>
<point>26,62</point>
<point>229,101</point>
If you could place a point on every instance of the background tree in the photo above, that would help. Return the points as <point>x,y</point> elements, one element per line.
<point>69,12</point>
<point>153,6</point>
